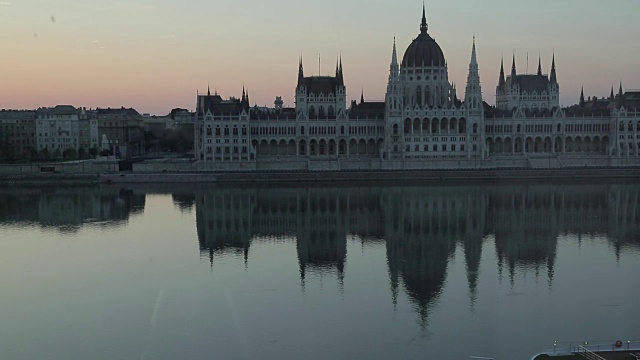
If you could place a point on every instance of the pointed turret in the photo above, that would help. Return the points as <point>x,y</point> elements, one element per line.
<point>539,66</point>
<point>300,73</point>
<point>423,25</point>
<point>362,97</point>
<point>501,81</point>
<point>620,97</point>
<point>473,93</point>
<point>340,75</point>
<point>611,97</point>
<point>244,97</point>
<point>553,79</point>
<point>393,98</point>
<point>513,68</point>
<point>581,103</point>
<point>209,90</point>
<point>394,56</point>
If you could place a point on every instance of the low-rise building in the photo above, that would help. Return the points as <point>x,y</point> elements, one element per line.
<point>17,134</point>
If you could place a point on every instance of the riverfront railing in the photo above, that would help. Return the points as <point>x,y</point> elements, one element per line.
<point>588,354</point>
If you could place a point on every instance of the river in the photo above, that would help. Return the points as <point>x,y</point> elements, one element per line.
<point>348,271</point>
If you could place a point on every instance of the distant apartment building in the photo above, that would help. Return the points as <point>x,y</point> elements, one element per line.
<point>121,131</point>
<point>157,124</point>
<point>17,134</point>
<point>182,116</point>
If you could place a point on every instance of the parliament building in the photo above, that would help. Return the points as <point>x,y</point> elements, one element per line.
<point>422,124</point>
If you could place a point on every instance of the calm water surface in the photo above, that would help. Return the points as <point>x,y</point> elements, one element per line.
<point>375,272</point>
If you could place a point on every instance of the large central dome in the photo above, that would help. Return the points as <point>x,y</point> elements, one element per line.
<point>424,50</point>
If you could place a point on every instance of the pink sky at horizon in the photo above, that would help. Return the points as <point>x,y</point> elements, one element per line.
<point>155,55</point>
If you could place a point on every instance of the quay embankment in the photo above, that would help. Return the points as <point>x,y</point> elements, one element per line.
<point>373,176</point>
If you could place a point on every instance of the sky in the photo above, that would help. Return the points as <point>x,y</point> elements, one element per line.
<point>154,55</point>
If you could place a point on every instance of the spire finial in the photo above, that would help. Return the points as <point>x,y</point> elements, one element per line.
<point>362,96</point>
<point>208,90</point>
<point>423,25</point>
<point>513,67</point>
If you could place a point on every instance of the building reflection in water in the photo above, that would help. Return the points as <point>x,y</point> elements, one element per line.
<point>421,226</point>
<point>69,208</point>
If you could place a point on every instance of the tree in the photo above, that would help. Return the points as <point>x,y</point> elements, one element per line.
<point>82,153</point>
<point>70,154</point>
<point>93,151</point>
<point>44,154</point>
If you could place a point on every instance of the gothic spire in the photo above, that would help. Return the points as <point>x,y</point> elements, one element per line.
<point>611,96</point>
<point>340,74</point>
<point>581,97</point>
<point>553,78</point>
<point>620,97</point>
<point>243,94</point>
<point>209,90</point>
<point>474,60</point>
<point>300,73</point>
<point>423,25</point>
<point>513,68</point>
<point>501,81</point>
<point>362,97</point>
<point>473,92</point>
<point>394,57</point>
<point>539,66</point>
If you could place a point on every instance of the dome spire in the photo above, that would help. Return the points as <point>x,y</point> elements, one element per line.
<point>423,26</point>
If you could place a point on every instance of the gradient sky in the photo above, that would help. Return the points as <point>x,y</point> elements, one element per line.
<point>154,55</point>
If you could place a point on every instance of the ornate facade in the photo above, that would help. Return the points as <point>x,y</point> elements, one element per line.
<point>421,124</point>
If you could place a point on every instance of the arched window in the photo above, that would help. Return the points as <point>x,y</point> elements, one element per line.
<point>301,130</point>
<point>341,130</point>
<point>312,112</point>
<point>321,112</point>
<point>419,95</point>
<point>475,128</point>
<point>395,129</point>
<point>332,112</point>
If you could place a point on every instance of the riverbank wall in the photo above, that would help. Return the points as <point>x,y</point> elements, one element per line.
<point>282,177</point>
